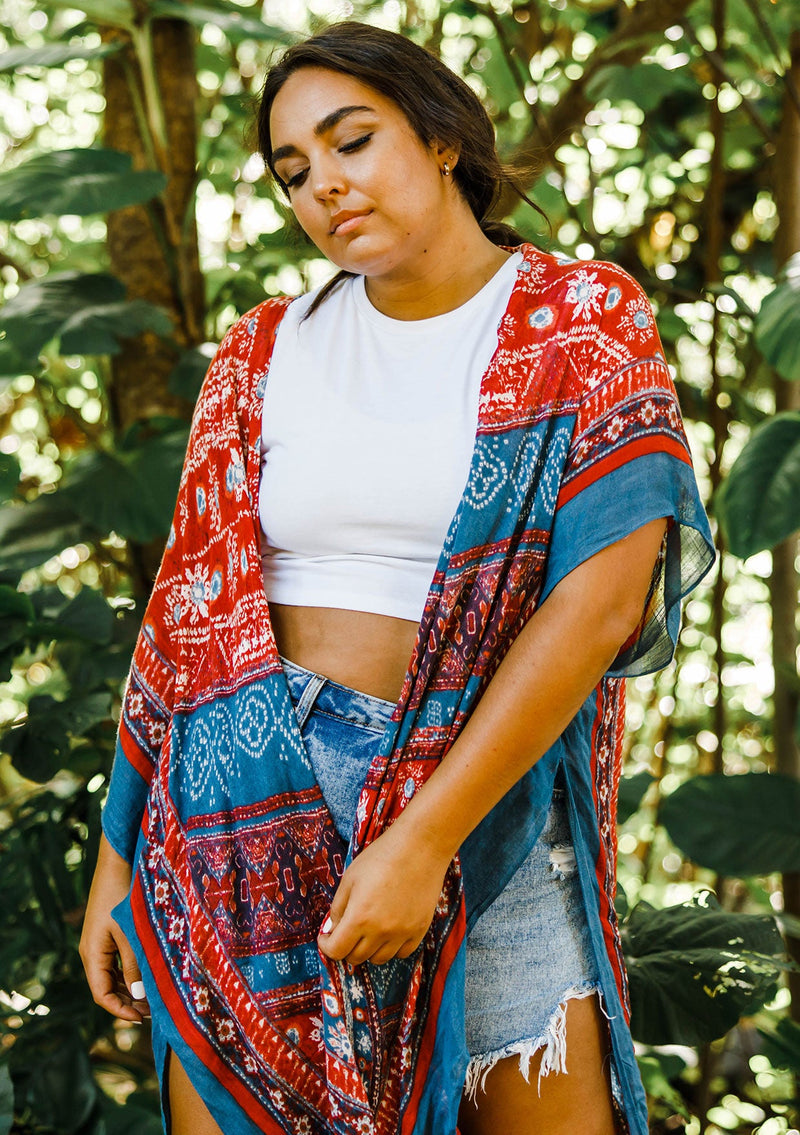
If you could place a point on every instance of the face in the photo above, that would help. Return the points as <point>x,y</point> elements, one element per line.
<point>367,191</point>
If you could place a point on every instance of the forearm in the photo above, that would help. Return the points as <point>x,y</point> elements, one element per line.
<point>551,668</point>
<point>110,862</point>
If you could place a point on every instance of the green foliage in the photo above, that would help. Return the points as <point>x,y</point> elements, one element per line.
<point>131,492</point>
<point>116,13</point>
<point>645,84</point>
<point>658,1071</point>
<point>132,1119</point>
<point>695,969</point>
<point>777,328</point>
<point>759,503</point>
<point>631,792</point>
<point>82,498</point>
<point>187,377</point>
<point>88,314</point>
<point>6,1100</point>
<point>9,475</point>
<point>227,17</point>
<point>52,55</point>
<point>35,532</point>
<point>75,181</point>
<point>782,1045</point>
<point>737,825</point>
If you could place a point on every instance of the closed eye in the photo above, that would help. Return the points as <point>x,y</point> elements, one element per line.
<point>356,144</point>
<point>296,180</point>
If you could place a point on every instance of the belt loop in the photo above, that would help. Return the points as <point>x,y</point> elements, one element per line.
<point>306,700</point>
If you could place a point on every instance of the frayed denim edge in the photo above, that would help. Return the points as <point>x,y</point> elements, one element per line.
<point>553,1040</point>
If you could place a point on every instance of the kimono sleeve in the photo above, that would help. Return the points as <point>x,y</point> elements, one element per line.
<point>148,700</point>
<point>629,463</point>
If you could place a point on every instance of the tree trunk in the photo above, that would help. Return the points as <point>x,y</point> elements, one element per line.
<point>151,106</point>
<point>151,89</point>
<point>784,579</point>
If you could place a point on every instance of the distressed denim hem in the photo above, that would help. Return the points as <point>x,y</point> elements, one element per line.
<point>553,1040</point>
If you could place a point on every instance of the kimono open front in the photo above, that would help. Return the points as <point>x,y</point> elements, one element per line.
<point>213,799</point>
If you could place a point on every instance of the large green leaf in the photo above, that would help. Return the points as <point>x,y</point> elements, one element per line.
<point>228,19</point>
<point>737,825</point>
<point>695,969</point>
<point>657,1070</point>
<point>645,84</point>
<point>87,617</point>
<point>777,325</point>
<point>16,614</point>
<point>130,1119</point>
<point>52,54</point>
<point>758,504</point>
<point>131,493</point>
<point>39,747</point>
<point>87,312</point>
<point>187,377</point>
<point>631,792</point>
<point>33,532</point>
<point>62,1093</point>
<point>98,330</point>
<point>106,13</point>
<point>79,181</point>
<point>782,1045</point>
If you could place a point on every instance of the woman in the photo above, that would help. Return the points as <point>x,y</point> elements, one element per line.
<point>461,954</point>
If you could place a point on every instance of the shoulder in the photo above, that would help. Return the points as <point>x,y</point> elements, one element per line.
<point>238,364</point>
<point>591,287</point>
<point>255,328</point>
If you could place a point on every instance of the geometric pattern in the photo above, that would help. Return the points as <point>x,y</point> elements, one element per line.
<point>214,800</point>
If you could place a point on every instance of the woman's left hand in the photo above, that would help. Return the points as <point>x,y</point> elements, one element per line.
<point>386,899</point>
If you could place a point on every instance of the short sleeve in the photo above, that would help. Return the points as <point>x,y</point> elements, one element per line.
<point>629,463</point>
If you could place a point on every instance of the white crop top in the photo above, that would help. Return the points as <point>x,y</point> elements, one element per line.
<point>368,432</point>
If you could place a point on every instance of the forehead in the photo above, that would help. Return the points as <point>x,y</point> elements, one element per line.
<point>310,94</point>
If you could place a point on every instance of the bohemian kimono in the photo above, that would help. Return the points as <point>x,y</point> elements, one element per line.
<point>213,800</point>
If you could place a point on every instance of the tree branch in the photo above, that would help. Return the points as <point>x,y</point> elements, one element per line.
<point>624,47</point>
<point>718,63</point>
<point>775,47</point>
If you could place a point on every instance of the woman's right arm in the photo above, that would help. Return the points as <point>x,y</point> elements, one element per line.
<point>147,706</point>
<point>107,957</point>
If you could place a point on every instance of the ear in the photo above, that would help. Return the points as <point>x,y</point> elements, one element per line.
<point>447,152</point>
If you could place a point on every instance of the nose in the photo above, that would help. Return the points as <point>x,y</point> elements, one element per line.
<point>327,179</point>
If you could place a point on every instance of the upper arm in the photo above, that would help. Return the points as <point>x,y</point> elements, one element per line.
<point>628,470</point>
<point>610,591</point>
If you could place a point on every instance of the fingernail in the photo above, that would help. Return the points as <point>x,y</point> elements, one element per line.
<point>137,990</point>
<point>327,926</point>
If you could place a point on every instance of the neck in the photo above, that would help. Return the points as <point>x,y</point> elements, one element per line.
<point>442,277</point>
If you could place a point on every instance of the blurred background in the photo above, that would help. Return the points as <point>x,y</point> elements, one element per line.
<point>136,224</point>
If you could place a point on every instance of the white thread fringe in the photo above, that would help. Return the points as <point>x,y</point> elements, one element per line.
<point>553,1040</point>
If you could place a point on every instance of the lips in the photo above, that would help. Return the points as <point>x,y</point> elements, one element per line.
<point>344,222</point>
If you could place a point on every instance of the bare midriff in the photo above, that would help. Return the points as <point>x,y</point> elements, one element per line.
<point>369,652</point>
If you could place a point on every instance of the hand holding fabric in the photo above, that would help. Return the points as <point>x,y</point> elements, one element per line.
<point>109,962</point>
<point>386,898</point>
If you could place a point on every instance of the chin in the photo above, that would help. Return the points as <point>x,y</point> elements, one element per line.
<point>361,262</point>
<point>369,260</point>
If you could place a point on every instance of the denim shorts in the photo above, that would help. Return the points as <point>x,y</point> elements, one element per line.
<point>529,952</point>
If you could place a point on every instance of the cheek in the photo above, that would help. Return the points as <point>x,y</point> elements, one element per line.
<point>307,214</point>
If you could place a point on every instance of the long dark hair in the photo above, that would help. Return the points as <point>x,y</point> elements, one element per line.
<point>437,103</point>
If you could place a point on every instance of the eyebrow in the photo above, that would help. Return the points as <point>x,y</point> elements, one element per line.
<point>323,126</point>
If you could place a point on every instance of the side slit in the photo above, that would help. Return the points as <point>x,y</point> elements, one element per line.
<point>166,1109</point>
